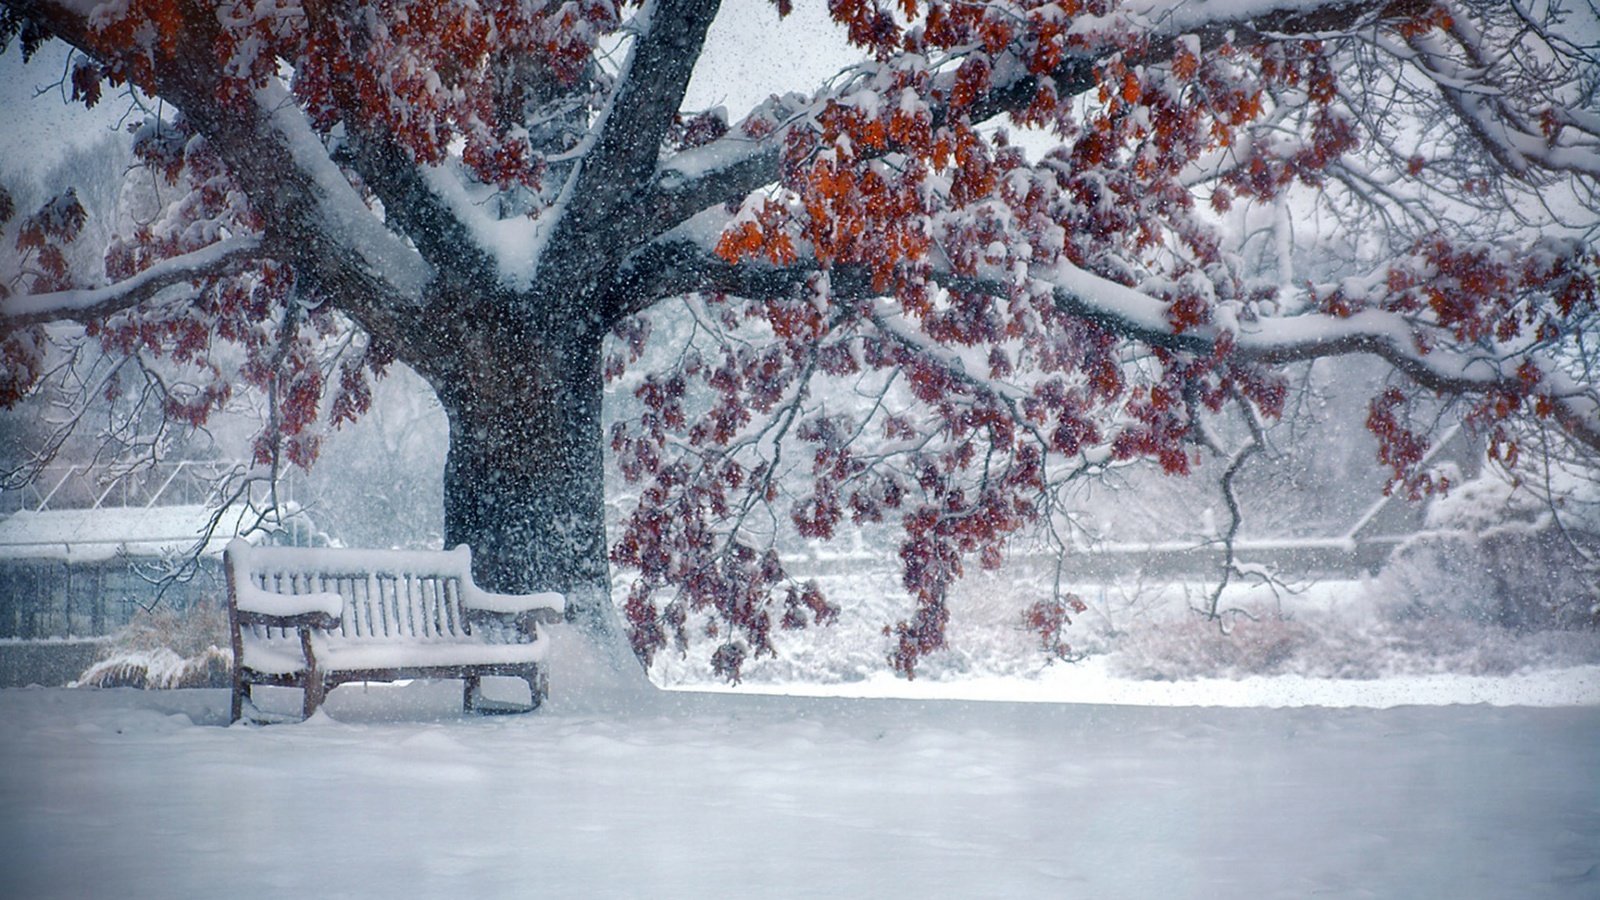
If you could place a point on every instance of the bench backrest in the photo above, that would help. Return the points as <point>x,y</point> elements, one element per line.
<point>393,594</point>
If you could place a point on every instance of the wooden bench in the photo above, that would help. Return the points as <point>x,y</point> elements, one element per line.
<point>316,618</point>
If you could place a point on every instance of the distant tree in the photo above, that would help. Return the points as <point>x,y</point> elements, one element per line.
<point>486,190</point>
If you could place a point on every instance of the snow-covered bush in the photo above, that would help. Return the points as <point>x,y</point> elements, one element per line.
<point>1354,641</point>
<point>165,649</point>
<point>1194,647</point>
<point>1503,553</point>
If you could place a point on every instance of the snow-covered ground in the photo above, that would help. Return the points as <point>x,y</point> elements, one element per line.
<point>392,792</point>
<point>1094,681</point>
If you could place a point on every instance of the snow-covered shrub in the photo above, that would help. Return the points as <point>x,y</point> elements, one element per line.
<point>165,648</point>
<point>1194,647</point>
<point>1352,642</point>
<point>1501,553</point>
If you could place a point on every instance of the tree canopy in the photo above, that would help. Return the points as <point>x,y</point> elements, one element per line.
<point>1029,239</point>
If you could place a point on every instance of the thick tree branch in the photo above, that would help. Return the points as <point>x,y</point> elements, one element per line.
<point>669,268</point>
<point>340,252</point>
<point>724,171</point>
<point>408,204</point>
<point>391,173</point>
<point>314,218</point>
<point>600,205</point>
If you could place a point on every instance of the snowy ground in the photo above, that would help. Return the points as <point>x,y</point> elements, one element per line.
<point>689,794</point>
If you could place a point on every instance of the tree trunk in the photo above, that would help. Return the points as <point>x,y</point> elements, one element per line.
<point>524,482</point>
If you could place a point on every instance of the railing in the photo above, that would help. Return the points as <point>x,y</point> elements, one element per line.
<point>43,599</point>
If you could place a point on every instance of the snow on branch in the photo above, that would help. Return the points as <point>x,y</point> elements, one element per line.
<point>1475,94</point>
<point>670,267</point>
<point>88,304</point>
<point>335,212</point>
<point>1276,341</point>
<point>1256,18</point>
<point>723,171</point>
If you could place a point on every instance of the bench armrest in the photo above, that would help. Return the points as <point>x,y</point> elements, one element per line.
<point>261,605</point>
<point>319,620</point>
<point>546,606</point>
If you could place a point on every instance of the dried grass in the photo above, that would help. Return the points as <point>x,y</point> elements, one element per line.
<point>165,649</point>
<point>160,669</point>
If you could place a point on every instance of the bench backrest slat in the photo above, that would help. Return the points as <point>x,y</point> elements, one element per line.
<point>452,604</point>
<point>384,602</point>
<point>372,602</point>
<point>405,603</point>
<point>377,605</point>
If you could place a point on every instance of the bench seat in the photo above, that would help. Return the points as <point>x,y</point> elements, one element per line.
<point>274,658</point>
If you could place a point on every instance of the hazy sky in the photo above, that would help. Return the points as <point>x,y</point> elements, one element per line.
<point>38,121</point>
<point>751,54</point>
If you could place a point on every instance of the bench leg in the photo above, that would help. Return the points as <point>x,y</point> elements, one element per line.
<point>241,693</point>
<point>316,691</point>
<point>472,691</point>
<point>538,686</point>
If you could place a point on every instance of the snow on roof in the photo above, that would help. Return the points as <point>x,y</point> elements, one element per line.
<point>92,535</point>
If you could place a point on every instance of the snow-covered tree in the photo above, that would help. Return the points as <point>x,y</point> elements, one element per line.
<point>1011,234</point>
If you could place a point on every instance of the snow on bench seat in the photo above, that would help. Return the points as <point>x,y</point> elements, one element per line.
<point>279,658</point>
<point>316,618</point>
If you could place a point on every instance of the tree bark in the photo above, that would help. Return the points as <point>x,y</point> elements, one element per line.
<point>524,481</point>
